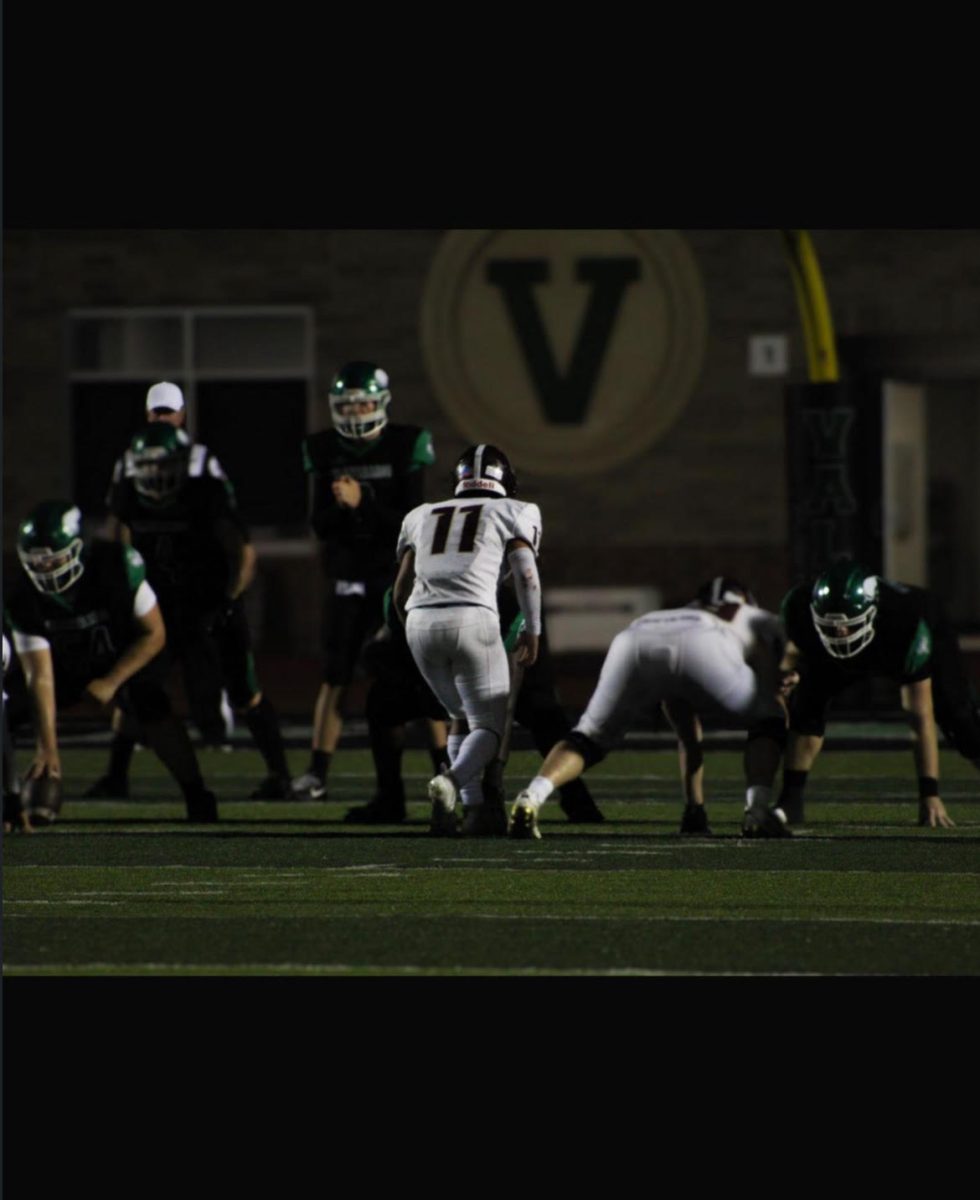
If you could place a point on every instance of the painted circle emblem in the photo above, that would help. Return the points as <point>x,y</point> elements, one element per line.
<point>573,350</point>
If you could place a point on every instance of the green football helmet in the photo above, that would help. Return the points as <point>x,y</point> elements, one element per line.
<point>49,546</point>
<point>157,462</point>
<point>844,604</point>
<point>357,386</point>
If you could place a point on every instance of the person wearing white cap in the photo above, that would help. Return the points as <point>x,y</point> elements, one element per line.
<point>209,704</point>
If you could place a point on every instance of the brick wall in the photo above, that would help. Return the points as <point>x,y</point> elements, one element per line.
<point>709,496</point>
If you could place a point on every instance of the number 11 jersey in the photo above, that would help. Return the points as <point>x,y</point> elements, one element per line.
<point>460,545</point>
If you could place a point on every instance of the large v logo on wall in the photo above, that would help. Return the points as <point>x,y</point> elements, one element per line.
<point>574,350</point>
<point>565,397</point>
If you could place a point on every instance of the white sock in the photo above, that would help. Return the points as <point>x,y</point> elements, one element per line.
<point>472,794</point>
<point>477,750</point>
<point>538,790</point>
<point>758,796</point>
<point>453,743</point>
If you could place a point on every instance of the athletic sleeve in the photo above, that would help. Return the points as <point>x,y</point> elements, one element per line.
<point>423,454</point>
<point>527,585</point>
<point>25,642</point>
<point>406,535</point>
<point>527,525</point>
<point>135,567</point>
<point>145,600</point>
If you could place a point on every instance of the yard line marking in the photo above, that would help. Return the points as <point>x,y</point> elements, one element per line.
<point>411,969</point>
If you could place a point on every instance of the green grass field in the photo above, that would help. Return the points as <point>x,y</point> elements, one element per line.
<point>286,889</point>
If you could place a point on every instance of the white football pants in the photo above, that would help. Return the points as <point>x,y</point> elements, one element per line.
<point>703,666</point>
<point>460,652</point>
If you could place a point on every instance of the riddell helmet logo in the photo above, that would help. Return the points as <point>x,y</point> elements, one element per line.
<point>575,349</point>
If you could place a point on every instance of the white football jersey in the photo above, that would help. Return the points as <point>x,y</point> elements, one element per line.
<point>460,545</point>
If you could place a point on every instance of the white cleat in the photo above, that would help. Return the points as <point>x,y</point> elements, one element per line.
<point>308,787</point>
<point>444,796</point>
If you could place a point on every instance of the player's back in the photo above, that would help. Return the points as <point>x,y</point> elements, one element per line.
<point>460,545</point>
<point>754,629</point>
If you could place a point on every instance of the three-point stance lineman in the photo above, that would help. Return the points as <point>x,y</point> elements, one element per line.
<point>451,556</point>
<point>720,651</point>
<point>852,624</point>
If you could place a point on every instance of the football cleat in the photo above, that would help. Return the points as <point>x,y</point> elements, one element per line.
<point>273,787</point>
<point>523,819</point>
<point>107,788</point>
<point>379,811</point>
<point>695,819</point>
<point>309,787</point>
<point>765,823</point>
<point>444,795</point>
<point>203,808</point>
<point>484,820</point>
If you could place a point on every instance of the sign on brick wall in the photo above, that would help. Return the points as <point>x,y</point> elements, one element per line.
<point>574,350</point>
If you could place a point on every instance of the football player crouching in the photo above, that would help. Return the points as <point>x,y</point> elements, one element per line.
<point>86,625</point>
<point>851,624</point>
<point>721,652</point>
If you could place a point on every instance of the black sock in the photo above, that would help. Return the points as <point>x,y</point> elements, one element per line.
<point>793,784</point>
<point>120,755</point>
<point>263,725</point>
<point>440,758</point>
<point>168,739</point>
<point>319,764</point>
<point>387,746</point>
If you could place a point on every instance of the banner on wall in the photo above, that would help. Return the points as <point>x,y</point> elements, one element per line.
<point>574,350</point>
<point>834,474</point>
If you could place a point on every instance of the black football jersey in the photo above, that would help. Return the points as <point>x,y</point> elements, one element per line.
<point>89,625</point>
<point>359,544</point>
<point>186,563</point>
<point>901,649</point>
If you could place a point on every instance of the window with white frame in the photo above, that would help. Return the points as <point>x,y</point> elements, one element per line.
<point>247,378</point>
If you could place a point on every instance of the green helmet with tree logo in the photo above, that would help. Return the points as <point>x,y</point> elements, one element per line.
<point>157,462</point>
<point>844,604</point>
<point>359,399</point>
<point>49,546</point>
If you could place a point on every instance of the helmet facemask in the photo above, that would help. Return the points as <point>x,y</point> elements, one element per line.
<point>358,425</point>
<point>843,605</point>
<point>843,636</point>
<point>158,475</point>
<point>53,571</point>
<point>49,546</point>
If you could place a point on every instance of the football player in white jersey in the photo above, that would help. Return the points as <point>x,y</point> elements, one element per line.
<point>719,652</point>
<point>452,556</point>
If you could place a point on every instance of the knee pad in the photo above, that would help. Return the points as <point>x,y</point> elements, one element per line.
<point>770,727</point>
<point>590,751</point>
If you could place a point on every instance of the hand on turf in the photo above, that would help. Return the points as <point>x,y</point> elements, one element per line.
<point>21,824</point>
<point>46,762</point>
<point>932,812</point>
<point>527,648</point>
<point>346,491</point>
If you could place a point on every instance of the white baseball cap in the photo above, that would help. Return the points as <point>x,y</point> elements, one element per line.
<point>164,395</point>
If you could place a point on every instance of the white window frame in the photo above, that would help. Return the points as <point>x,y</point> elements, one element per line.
<point>189,375</point>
